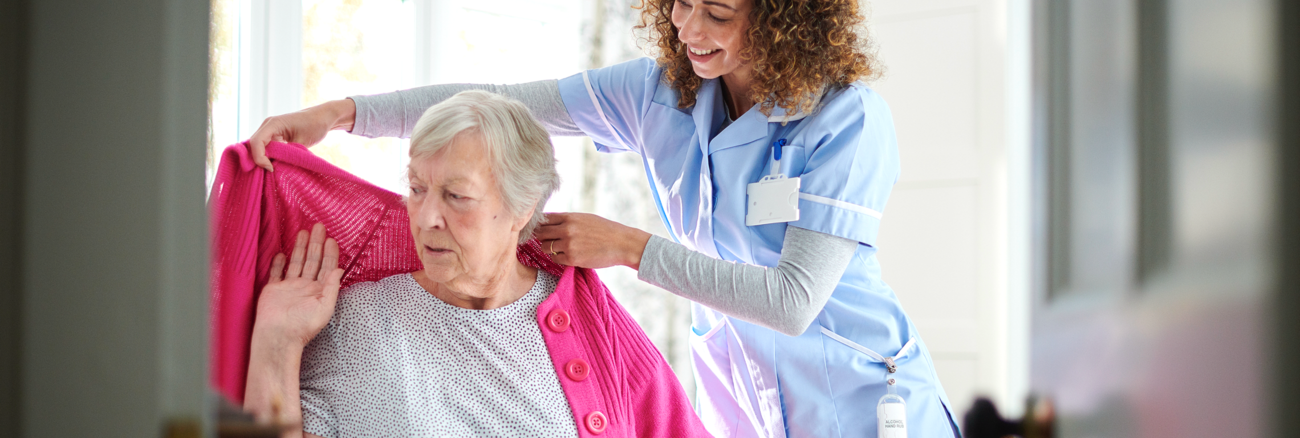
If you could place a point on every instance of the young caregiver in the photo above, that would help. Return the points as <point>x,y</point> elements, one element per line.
<point>771,165</point>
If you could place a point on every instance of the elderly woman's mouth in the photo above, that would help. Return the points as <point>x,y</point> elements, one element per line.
<point>436,251</point>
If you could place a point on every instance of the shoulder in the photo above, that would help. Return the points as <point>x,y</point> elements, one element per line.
<point>645,65</point>
<point>644,74</point>
<point>645,70</point>
<point>368,298</point>
<point>854,111</point>
<point>855,99</point>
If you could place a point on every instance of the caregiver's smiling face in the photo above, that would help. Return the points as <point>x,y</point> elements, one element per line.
<point>714,33</point>
<point>464,234</point>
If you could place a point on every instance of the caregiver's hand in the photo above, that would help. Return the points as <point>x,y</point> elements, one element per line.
<point>297,303</point>
<point>306,127</point>
<point>590,241</point>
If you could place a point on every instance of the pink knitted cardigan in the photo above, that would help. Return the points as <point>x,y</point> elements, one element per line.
<point>616,382</point>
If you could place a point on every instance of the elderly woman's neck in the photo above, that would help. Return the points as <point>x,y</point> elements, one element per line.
<point>489,291</point>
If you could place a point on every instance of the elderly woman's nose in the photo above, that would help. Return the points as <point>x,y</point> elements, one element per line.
<point>428,215</point>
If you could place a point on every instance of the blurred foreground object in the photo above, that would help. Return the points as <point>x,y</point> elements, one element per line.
<point>984,421</point>
<point>233,422</point>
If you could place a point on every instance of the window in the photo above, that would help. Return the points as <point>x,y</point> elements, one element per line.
<point>273,57</point>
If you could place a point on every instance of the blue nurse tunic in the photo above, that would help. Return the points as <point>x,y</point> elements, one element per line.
<point>753,381</point>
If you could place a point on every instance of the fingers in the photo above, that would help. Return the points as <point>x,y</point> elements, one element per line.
<point>277,268</point>
<point>552,229</point>
<point>543,233</point>
<point>299,251</point>
<point>315,250</point>
<point>563,259</point>
<point>259,156</point>
<point>332,280</point>
<point>257,145</point>
<point>554,218</point>
<point>330,261</point>
<point>331,274</point>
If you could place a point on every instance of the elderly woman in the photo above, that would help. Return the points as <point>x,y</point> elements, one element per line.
<point>476,343</point>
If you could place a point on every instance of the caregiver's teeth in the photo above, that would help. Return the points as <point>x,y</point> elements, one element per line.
<point>702,52</point>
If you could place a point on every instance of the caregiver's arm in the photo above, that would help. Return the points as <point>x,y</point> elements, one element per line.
<point>394,114</point>
<point>786,298</point>
<point>295,305</point>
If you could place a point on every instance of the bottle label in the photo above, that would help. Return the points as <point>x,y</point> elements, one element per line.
<point>891,420</point>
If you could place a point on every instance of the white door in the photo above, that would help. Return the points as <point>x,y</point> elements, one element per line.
<point>944,239</point>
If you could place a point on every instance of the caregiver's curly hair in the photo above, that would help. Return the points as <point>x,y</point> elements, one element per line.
<point>796,48</point>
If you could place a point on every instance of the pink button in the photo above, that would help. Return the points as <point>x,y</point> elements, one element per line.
<point>596,422</point>
<point>577,370</point>
<point>558,320</point>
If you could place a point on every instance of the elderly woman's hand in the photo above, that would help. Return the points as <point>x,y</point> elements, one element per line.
<point>590,241</point>
<point>297,303</point>
<point>293,307</point>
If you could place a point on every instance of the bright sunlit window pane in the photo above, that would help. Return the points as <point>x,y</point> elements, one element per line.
<point>508,42</point>
<point>352,47</point>
<point>223,114</point>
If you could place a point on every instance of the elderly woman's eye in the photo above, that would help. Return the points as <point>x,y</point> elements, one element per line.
<point>416,190</point>
<point>454,196</point>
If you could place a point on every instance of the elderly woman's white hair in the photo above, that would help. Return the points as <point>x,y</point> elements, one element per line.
<point>518,148</point>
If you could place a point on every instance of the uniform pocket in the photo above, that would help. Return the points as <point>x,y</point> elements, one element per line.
<point>715,398</point>
<point>860,383</point>
<point>793,160</point>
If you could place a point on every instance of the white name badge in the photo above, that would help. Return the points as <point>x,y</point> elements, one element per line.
<point>772,199</point>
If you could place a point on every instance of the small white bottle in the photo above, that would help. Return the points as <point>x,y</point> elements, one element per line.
<point>891,413</point>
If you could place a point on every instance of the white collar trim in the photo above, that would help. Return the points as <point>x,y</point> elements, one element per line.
<point>779,114</point>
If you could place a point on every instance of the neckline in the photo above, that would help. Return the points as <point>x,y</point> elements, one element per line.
<point>531,296</point>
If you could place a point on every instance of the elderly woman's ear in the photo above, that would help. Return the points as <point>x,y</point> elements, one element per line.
<point>523,221</point>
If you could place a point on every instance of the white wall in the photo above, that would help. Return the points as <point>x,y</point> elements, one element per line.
<point>945,240</point>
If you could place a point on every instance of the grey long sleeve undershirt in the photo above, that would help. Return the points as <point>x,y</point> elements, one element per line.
<point>786,298</point>
<point>394,114</point>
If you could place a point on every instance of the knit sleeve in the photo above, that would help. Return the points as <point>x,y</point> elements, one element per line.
<point>659,404</point>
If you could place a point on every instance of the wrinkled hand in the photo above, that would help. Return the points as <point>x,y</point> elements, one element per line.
<point>590,241</point>
<point>306,127</point>
<point>297,303</point>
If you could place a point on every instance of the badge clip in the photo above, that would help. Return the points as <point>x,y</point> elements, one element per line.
<point>774,198</point>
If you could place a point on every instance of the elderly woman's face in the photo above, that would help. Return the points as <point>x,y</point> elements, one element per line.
<point>714,33</point>
<point>463,231</point>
